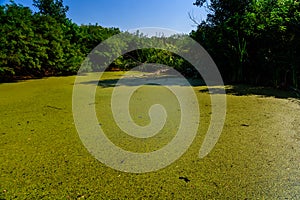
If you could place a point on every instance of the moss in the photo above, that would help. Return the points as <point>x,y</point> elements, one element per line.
<point>42,156</point>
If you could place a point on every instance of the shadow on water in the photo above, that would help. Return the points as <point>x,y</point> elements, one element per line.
<point>246,90</point>
<point>170,80</point>
<point>137,81</point>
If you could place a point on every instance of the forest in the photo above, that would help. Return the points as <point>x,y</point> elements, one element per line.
<point>252,42</point>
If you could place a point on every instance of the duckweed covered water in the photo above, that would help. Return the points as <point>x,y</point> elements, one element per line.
<point>42,157</point>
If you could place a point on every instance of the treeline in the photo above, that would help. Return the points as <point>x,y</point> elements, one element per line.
<point>45,43</point>
<point>253,41</point>
<point>130,50</point>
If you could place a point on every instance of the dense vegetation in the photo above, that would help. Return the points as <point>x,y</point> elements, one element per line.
<point>252,41</point>
<point>45,43</point>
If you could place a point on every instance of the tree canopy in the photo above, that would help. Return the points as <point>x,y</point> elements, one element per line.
<point>45,43</point>
<point>53,8</point>
<point>253,41</point>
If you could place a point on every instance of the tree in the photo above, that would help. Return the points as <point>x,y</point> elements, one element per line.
<point>253,41</point>
<point>53,8</point>
<point>16,36</point>
<point>44,43</point>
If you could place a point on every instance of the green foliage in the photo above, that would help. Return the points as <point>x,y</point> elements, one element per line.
<point>47,43</point>
<point>92,35</point>
<point>253,41</point>
<point>16,39</point>
<point>55,9</point>
<point>44,43</point>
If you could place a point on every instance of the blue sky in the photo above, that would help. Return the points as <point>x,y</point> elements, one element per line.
<point>130,14</point>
